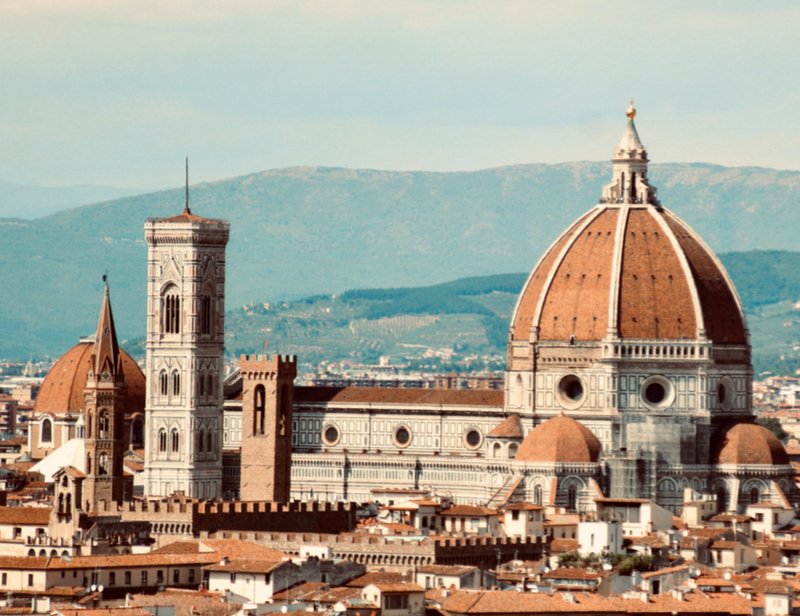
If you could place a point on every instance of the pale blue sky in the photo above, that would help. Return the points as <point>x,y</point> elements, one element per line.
<point>118,92</point>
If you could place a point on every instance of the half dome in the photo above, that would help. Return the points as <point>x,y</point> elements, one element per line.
<point>63,387</point>
<point>747,443</point>
<point>560,439</point>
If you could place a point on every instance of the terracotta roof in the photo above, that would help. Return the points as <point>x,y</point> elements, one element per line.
<point>571,573</point>
<point>749,443</point>
<point>299,592</point>
<point>376,577</point>
<point>31,516</point>
<point>524,507</point>
<point>187,216</point>
<point>63,387</point>
<point>447,569</point>
<point>510,427</point>
<point>468,510</point>
<point>560,439</point>
<point>395,395</point>
<point>570,293</point>
<point>399,587</point>
<point>106,561</point>
<point>559,546</point>
<point>247,565</point>
<point>230,548</point>
<point>667,571</point>
<point>188,602</point>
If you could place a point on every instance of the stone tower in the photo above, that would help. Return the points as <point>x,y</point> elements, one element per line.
<point>185,343</point>
<point>267,397</point>
<point>105,415</point>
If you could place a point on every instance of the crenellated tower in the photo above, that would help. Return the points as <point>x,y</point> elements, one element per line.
<point>105,415</point>
<point>267,396</point>
<point>185,344</point>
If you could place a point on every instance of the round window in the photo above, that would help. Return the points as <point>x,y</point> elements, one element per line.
<point>330,435</point>
<point>472,438</point>
<point>571,392</point>
<point>725,393</point>
<point>402,436</point>
<point>657,392</point>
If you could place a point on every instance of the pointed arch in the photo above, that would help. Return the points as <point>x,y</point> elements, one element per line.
<point>259,409</point>
<point>170,310</point>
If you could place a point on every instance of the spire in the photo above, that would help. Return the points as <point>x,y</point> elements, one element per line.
<point>186,209</point>
<point>629,183</point>
<point>105,355</point>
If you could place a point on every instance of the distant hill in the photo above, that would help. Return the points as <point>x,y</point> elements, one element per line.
<point>471,317</point>
<point>22,201</point>
<point>309,231</point>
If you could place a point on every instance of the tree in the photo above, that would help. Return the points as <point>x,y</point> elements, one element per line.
<point>773,424</point>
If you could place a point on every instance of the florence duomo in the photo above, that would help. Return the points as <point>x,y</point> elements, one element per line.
<point>462,309</point>
<point>628,376</point>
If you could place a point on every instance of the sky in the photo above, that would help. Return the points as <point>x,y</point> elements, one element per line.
<point>117,93</point>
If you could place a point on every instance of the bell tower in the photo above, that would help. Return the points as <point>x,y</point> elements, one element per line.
<point>185,343</point>
<point>105,415</point>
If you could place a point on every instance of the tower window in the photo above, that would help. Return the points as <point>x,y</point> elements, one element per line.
<point>201,441</point>
<point>162,440</point>
<point>176,440</point>
<point>171,311</point>
<point>102,425</point>
<point>209,384</point>
<point>210,441</point>
<point>201,384</point>
<point>176,383</point>
<point>102,464</point>
<point>205,314</point>
<point>259,409</point>
<point>163,382</point>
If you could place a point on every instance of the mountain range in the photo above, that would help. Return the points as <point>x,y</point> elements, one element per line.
<point>309,231</point>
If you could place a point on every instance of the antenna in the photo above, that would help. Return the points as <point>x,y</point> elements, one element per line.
<point>186,205</point>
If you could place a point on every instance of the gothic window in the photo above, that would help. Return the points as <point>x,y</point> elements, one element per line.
<point>47,431</point>
<point>102,425</point>
<point>176,440</point>
<point>754,495</point>
<point>176,383</point>
<point>210,441</point>
<point>102,464</point>
<point>164,382</point>
<point>537,495</point>
<point>162,440</point>
<point>205,314</point>
<point>68,504</point>
<point>201,440</point>
<point>60,504</point>
<point>171,311</point>
<point>201,384</point>
<point>259,409</point>
<point>722,499</point>
<point>209,384</point>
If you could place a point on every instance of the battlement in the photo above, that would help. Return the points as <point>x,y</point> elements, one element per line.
<point>268,366</point>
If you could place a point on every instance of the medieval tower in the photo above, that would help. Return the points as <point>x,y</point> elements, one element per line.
<point>105,416</point>
<point>185,343</point>
<point>267,397</point>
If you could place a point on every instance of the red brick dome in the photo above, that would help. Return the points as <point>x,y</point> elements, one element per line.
<point>63,386</point>
<point>560,439</point>
<point>747,443</point>
<point>634,270</point>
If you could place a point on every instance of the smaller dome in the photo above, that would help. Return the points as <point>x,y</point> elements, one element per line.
<point>748,443</point>
<point>63,387</point>
<point>560,439</point>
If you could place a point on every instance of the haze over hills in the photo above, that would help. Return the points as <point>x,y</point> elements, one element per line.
<point>21,201</point>
<point>304,231</point>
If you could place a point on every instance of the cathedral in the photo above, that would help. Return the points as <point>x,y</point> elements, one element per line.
<point>628,376</point>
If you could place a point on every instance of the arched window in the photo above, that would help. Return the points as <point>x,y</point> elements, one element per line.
<point>205,314</point>
<point>164,382</point>
<point>259,409</point>
<point>60,504</point>
<point>519,390</point>
<point>137,433</point>
<point>496,448</point>
<point>209,384</point>
<point>176,440</point>
<point>201,384</point>
<point>162,440</point>
<point>210,441</point>
<point>722,499</point>
<point>512,451</point>
<point>47,431</point>
<point>537,495</point>
<point>102,464</point>
<point>572,498</point>
<point>69,504</point>
<point>201,440</point>
<point>755,495</point>
<point>171,311</point>
<point>176,383</point>
<point>102,425</point>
